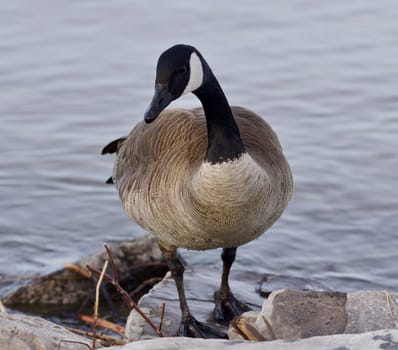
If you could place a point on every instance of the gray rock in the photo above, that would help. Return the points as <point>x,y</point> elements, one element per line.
<point>369,311</point>
<point>136,323</point>
<point>20,332</point>
<point>291,314</point>
<point>288,314</point>
<point>382,339</point>
<point>68,287</point>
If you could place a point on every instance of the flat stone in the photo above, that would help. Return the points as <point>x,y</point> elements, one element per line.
<point>21,332</point>
<point>382,339</point>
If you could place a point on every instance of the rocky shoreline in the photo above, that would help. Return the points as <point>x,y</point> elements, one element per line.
<point>137,261</point>
<point>288,313</point>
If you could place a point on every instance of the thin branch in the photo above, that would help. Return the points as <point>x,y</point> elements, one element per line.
<point>103,324</point>
<point>126,297</point>
<point>133,305</point>
<point>246,330</point>
<point>146,283</point>
<point>96,271</point>
<point>106,338</point>
<point>96,305</point>
<point>78,269</point>
<point>162,316</point>
<point>114,269</point>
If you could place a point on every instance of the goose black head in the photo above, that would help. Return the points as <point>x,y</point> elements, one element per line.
<point>180,70</point>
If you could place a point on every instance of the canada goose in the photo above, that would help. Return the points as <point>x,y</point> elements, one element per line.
<point>211,177</point>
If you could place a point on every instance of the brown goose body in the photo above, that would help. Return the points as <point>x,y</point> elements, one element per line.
<point>167,187</point>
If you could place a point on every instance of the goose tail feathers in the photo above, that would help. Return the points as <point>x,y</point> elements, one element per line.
<point>113,147</point>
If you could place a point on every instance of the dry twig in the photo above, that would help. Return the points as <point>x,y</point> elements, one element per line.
<point>126,297</point>
<point>96,305</point>
<point>147,283</point>
<point>78,269</point>
<point>246,330</point>
<point>163,309</point>
<point>103,324</point>
<point>105,338</point>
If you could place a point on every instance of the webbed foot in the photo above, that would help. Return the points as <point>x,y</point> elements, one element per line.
<point>190,327</point>
<point>228,307</point>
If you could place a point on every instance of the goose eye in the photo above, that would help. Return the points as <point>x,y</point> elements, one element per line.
<point>182,70</point>
<point>178,81</point>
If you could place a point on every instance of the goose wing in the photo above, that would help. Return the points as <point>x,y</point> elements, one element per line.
<point>170,147</point>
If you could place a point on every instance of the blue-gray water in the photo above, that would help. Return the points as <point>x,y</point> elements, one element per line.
<point>75,75</point>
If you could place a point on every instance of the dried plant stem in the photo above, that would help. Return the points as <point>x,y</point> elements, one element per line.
<point>77,269</point>
<point>133,305</point>
<point>126,297</point>
<point>246,330</point>
<point>106,338</point>
<point>114,269</point>
<point>163,309</point>
<point>149,282</point>
<point>96,305</point>
<point>103,324</point>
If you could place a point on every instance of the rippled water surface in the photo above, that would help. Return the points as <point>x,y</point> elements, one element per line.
<point>75,75</point>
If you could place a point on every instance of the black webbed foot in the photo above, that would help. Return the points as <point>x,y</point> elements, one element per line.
<point>190,327</point>
<point>227,307</point>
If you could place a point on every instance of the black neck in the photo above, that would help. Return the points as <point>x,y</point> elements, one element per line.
<point>224,141</point>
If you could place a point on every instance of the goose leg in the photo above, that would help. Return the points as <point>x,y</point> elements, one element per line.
<point>227,306</point>
<point>189,326</point>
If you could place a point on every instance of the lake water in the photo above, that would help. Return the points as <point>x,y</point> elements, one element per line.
<point>76,75</point>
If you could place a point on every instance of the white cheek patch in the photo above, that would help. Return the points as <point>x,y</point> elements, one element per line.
<point>196,74</point>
